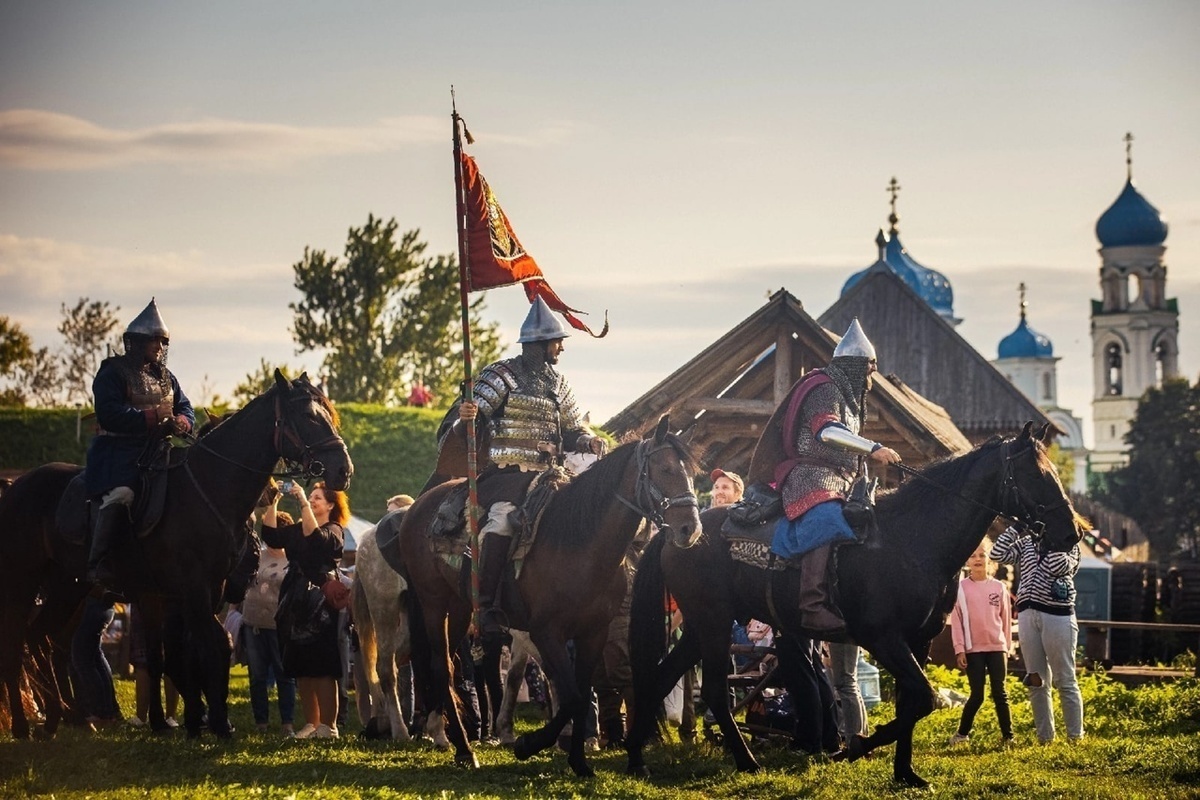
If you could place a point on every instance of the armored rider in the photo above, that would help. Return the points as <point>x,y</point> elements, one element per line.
<point>138,402</point>
<point>817,428</point>
<point>530,412</point>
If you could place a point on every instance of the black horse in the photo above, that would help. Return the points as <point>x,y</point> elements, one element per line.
<point>894,591</point>
<point>178,570</point>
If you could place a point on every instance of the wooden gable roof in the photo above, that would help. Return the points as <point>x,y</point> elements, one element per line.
<point>924,351</point>
<point>721,399</point>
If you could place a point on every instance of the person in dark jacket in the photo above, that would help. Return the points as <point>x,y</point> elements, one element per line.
<point>306,626</point>
<point>138,403</point>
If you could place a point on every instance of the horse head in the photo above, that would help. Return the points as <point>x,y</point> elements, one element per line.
<point>665,493</point>
<point>306,426</point>
<point>1032,493</point>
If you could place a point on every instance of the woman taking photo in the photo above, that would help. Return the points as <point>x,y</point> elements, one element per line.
<point>306,623</point>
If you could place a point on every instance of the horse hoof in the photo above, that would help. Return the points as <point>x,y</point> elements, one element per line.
<point>912,780</point>
<point>466,760</point>
<point>522,749</point>
<point>639,771</point>
<point>582,769</point>
<point>753,766</point>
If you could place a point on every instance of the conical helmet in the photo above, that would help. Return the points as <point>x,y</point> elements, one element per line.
<point>148,323</point>
<point>541,325</point>
<point>855,343</point>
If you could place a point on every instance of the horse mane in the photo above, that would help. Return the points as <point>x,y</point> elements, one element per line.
<point>917,495</point>
<point>578,507</point>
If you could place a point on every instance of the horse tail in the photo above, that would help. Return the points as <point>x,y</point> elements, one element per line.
<point>360,611</point>
<point>648,633</point>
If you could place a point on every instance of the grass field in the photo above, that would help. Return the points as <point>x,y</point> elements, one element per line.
<point>1139,744</point>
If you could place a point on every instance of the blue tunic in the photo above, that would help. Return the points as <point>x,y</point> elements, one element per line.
<point>112,460</point>
<point>822,524</point>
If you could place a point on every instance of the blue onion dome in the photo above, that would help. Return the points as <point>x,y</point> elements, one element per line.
<point>1131,221</point>
<point>1025,342</point>
<point>932,286</point>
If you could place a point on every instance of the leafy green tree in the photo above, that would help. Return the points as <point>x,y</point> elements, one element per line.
<point>15,346</point>
<point>1160,486</point>
<point>87,328</point>
<point>386,315</point>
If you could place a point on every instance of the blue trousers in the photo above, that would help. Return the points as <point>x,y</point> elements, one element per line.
<point>265,663</point>
<point>90,672</point>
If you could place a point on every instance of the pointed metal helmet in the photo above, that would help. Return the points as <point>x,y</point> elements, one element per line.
<point>855,343</point>
<point>148,323</point>
<point>541,325</point>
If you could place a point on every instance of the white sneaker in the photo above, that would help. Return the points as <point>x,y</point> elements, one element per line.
<point>323,731</point>
<point>171,723</point>
<point>958,738</point>
<point>136,722</point>
<point>306,732</point>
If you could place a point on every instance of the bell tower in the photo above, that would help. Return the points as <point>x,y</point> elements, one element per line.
<point>1135,326</point>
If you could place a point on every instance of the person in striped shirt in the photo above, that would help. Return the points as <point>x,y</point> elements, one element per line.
<point>1047,628</point>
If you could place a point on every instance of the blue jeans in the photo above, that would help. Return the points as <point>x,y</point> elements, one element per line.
<point>264,662</point>
<point>843,671</point>
<point>90,672</point>
<point>1048,649</point>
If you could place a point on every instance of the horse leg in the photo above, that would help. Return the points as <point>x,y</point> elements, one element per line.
<point>587,656</point>
<point>212,653</point>
<point>444,700</point>
<point>914,701</point>
<point>715,689</point>
<point>152,615</point>
<point>392,641</point>
<point>559,674</point>
<point>646,718</point>
<point>512,686</point>
<point>18,602</point>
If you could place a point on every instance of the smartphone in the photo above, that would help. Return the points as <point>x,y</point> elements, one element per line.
<point>286,487</point>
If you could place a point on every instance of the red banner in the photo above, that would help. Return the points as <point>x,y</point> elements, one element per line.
<point>495,255</point>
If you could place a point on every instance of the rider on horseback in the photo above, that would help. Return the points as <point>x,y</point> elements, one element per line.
<point>817,427</point>
<point>530,411</point>
<point>138,402</point>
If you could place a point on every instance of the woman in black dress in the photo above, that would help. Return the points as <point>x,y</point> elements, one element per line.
<point>306,624</point>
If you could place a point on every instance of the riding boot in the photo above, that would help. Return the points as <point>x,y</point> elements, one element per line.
<point>818,615</point>
<point>110,520</point>
<point>492,558</point>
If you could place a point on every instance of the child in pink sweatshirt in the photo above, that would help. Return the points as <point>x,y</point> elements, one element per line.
<point>981,627</point>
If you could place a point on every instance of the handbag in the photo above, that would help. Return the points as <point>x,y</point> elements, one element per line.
<point>303,612</point>
<point>759,504</point>
<point>336,594</point>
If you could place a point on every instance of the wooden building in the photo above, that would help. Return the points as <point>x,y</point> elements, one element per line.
<point>721,399</point>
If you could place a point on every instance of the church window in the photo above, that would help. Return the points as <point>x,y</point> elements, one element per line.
<point>1112,367</point>
<point>1161,357</point>
<point>1047,393</point>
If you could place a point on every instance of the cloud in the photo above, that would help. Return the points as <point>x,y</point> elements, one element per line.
<point>34,139</point>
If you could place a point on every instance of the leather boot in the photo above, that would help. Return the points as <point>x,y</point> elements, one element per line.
<point>492,558</point>
<point>110,520</point>
<point>818,615</point>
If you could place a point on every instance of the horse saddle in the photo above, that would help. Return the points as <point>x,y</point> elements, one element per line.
<point>387,539</point>
<point>75,515</point>
<point>749,527</point>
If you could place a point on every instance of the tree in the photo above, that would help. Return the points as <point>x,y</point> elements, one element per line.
<point>86,329</point>
<point>1160,485</point>
<point>386,314</point>
<point>15,346</point>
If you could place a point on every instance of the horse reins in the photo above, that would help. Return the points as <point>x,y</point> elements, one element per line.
<point>656,501</point>
<point>1030,520</point>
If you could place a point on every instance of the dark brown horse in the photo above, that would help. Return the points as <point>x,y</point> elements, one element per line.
<point>895,590</point>
<point>176,571</point>
<point>570,585</point>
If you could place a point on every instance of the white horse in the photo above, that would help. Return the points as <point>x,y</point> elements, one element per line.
<point>383,641</point>
<point>521,650</point>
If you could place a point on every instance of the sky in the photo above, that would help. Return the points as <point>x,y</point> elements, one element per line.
<point>670,163</point>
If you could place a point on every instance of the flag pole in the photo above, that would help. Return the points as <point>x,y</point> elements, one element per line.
<point>468,380</point>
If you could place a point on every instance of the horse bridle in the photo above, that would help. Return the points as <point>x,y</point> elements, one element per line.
<point>285,430</point>
<point>1027,517</point>
<point>649,501</point>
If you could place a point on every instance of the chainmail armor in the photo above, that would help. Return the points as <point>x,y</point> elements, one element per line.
<point>823,469</point>
<point>147,387</point>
